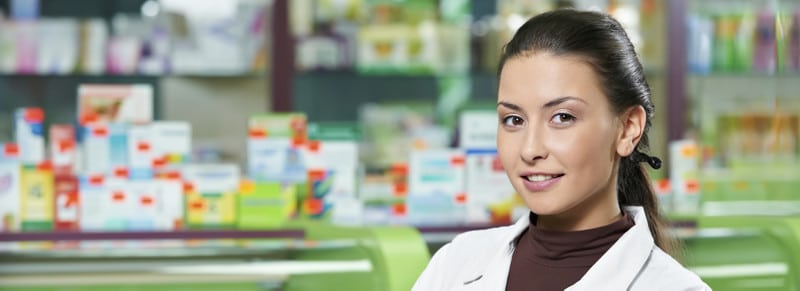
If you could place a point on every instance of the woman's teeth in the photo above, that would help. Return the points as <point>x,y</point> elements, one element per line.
<point>540,178</point>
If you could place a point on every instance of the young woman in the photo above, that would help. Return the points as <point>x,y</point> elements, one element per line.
<point>574,110</point>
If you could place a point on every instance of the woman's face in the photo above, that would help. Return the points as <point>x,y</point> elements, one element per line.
<point>557,135</point>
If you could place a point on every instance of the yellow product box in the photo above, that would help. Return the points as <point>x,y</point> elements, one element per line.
<point>37,200</point>
<point>211,210</point>
<point>210,191</point>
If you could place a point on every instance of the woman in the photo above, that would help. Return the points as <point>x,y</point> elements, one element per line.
<point>574,110</point>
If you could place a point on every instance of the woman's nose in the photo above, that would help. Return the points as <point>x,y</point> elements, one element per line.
<point>533,146</point>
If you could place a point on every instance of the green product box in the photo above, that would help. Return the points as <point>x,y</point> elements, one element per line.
<point>265,205</point>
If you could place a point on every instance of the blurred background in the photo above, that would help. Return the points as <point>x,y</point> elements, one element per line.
<point>336,144</point>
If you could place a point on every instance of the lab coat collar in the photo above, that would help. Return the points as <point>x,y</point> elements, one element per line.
<point>620,265</point>
<point>615,270</point>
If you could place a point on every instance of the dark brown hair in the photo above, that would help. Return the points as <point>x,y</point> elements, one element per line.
<point>602,42</point>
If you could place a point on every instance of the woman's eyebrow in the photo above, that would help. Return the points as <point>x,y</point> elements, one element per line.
<point>560,100</point>
<point>509,106</point>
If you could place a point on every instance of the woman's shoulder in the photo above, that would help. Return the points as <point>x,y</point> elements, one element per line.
<point>663,270</point>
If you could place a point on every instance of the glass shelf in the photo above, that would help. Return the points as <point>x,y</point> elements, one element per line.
<point>150,235</point>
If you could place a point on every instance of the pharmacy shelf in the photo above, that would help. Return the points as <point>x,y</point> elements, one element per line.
<point>152,235</point>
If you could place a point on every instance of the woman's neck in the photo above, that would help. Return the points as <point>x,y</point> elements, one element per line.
<point>596,211</point>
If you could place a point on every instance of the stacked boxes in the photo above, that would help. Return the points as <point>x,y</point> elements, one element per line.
<point>276,165</point>
<point>332,162</point>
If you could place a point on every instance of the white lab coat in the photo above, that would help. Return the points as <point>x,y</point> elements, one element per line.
<point>479,260</point>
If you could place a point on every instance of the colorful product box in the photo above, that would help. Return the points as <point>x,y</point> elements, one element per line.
<point>63,149</point>
<point>172,142</point>
<point>265,205</point>
<point>67,203</point>
<point>490,193</point>
<point>436,187</point>
<point>37,197</point>
<point>274,148</point>
<point>29,134</point>
<point>211,195</point>
<point>383,195</point>
<point>115,103</point>
<point>9,187</point>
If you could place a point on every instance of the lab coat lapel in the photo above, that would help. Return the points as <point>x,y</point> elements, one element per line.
<point>495,274</point>
<point>620,265</point>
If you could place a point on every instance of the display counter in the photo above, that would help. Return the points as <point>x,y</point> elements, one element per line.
<point>305,256</point>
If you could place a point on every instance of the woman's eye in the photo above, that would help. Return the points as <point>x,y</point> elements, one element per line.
<point>513,121</point>
<point>563,118</point>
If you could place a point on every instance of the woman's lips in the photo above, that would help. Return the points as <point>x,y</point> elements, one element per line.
<point>539,186</point>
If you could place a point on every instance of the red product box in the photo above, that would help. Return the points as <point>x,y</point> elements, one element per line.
<point>67,203</point>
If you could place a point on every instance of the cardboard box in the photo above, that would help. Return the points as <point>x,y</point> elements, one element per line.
<point>29,134</point>
<point>37,197</point>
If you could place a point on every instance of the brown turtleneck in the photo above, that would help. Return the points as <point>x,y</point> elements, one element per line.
<point>547,260</point>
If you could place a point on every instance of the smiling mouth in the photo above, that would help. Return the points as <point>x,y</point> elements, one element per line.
<point>541,178</point>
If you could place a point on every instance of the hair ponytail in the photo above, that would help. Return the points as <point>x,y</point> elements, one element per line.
<point>634,188</point>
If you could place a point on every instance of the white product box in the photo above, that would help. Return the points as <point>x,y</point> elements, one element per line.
<point>94,195</point>
<point>339,158</point>
<point>478,129</point>
<point>29,134</point>
<point>212,178</point>
<point>9,188</point>
<point>141,151</point>
<point>275,159</point>
<point>436,187</point>
<point>116,103</point>
<point>96,149</point>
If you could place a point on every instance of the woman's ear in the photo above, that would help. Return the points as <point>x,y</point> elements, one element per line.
<point>633,122</point>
